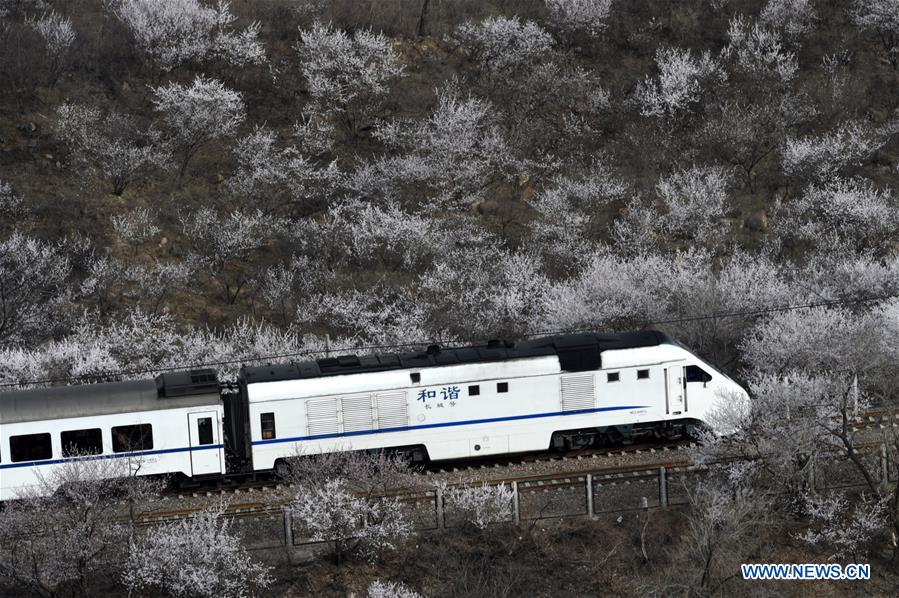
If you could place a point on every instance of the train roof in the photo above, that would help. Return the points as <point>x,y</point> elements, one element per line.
<point>171,390</point>
<point>576,352</point>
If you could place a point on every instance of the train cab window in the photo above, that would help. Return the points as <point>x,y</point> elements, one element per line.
<point>642,374</point>
<point>268,425</point>
<point>416,377</point>
<point>76,443</point>
<point>132,438</point>
<point>30,447</point>
<point>502,387</point>
<point>474,390</point>
<point>694,373</point>
<point>204,430</point>
<point>613,377</point>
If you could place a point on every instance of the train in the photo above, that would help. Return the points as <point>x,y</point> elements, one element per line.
<point>556,392</point>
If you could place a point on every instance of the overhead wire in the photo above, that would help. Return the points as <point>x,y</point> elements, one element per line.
<point>457,343</point>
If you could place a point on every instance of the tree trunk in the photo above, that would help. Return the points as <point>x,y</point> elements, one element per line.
<point>421,18</point>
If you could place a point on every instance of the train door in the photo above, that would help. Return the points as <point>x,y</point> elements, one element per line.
<point>675,399</point>
<point>204,442</point>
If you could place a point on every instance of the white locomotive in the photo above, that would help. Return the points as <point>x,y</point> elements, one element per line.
<point>564,391</point>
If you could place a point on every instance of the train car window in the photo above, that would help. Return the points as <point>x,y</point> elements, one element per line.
<point>694,373</point>
<point>268,425</point>
<point>613,377</point>
<point>204,430</point>
<point>416,377</point>
<point>642,374</point>
<point>132,438</point>
<point>502,387</point>
<point>30,447</point>
<point>474,390</point>
<point>76,443</point>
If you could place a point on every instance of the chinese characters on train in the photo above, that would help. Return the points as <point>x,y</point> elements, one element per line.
<point>448,395</point>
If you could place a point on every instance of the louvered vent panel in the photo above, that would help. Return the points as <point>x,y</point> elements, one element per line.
<point>357,413</point>
<point>392,410</point>
<point>322,416</point>
<point>577,392</point>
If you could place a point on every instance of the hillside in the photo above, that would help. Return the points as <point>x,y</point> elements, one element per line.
<point>186,182</point>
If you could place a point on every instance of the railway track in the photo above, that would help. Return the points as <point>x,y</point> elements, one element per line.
<point>531,470</point>
<point>263,500</point>
<point>260,497</point>
<point>876,419</point>
<point>483,467</point>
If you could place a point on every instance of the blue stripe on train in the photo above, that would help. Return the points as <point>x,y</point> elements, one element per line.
<point>113,456</point>
<point>448,424</point>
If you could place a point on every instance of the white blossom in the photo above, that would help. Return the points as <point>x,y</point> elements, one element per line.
<point>822,157</point>
<point>635,233</point>
<point>836,273</point>
<point>155,284</point>
<point>837,66</point>
<point>199,555</point>
<point>852,211</point>
<point>680,82</point>
<point>377,315</point>
<point>56,31</point>
<point>222,243</point>
<point>390,589</point>
<point>112,144</point>
<point>633,291</point>
<point>135,227</point>
<point>11,203</point>
<point>309,9</point>
<point>695,199</point>
<point>725,518</point>
<point>280,175</point>
<point>479,505</point>
<point>587,16</point>
<point>175,31</point>
<point>241,48</point>
<point>363,235</point>
<point>568,209</point>
<point>503,46</point>
<point>843,527</point>
<point>330,512</point>
<point>746,132</point>
<point>72,524</point>
<point>345,72</point>
<point>287,284</point>
<point>34,288</point>
<point>614,292</point>
<point>141,344</point>
<point>199,113</point>
<point>882,17</point>
<point>825,338</point>
<point>503,292</point>
<point>759,53</point>
<point>453,152</point>
<point>802,419</point>
<point>794,17</point>
<point>315,132</point>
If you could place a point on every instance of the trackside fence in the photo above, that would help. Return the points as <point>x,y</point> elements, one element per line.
<point>554,497</point>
